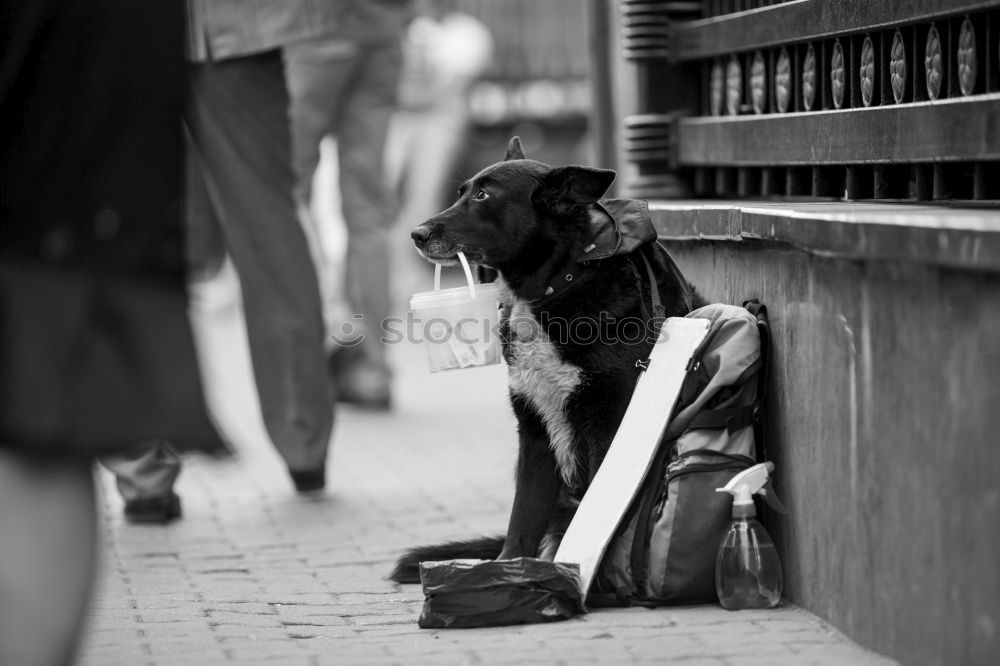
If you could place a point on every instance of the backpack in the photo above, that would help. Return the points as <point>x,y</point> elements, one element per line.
<point>665,546</point>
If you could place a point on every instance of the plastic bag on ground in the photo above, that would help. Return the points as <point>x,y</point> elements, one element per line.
<point>484,593</point>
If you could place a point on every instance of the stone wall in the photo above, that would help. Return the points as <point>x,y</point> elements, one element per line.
<point>884,421</point>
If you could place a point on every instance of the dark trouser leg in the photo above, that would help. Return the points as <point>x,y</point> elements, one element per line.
<point>205,244</point>
<point>238,119</point>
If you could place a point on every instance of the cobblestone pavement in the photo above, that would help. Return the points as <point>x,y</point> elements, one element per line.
<point>254,574</point>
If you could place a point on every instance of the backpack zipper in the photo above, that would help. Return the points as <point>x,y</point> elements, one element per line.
<point>661,496</point>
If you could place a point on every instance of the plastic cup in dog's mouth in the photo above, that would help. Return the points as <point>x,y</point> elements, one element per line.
<point>458,326</point>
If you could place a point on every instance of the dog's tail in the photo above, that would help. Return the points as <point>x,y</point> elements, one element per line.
<point>408,566</point>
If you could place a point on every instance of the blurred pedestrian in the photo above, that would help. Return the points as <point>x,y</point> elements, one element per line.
<point>240,200</point>
<point>95,350</point>
<point>445,51</point>
<point>345,84</point>
<point>237,123</point>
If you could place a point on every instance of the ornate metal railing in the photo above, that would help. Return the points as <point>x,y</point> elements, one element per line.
<point>842,99</point>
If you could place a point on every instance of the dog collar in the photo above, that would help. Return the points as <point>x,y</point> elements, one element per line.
<point>562,279</point>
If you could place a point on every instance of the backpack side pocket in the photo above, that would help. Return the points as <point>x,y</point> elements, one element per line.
<point>685,531</point>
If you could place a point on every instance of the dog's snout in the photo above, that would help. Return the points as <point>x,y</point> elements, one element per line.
<point>420,235</point>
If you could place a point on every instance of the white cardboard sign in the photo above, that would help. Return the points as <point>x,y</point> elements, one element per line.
<point>620,475</point>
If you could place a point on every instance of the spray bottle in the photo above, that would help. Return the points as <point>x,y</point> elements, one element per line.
<point>747,569</point>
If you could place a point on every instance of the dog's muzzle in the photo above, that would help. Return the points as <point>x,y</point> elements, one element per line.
<point>432,247</point>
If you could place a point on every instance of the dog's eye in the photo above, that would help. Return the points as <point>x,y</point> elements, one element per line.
<point>481,195</point>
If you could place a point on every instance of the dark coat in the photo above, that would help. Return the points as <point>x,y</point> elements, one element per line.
<point>90,143</point>
<point>95,349</point>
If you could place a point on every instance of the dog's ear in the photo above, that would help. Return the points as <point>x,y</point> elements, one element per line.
<point>514,151</point>
<point>564,187</point>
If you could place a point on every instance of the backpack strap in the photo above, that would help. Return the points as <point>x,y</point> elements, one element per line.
<point>759,310</point>
<point>685,286</point>
<point>654,291</point>
<point>730,418</point>
<point>686,291</point>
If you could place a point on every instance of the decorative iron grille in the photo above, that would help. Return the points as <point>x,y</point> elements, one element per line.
<point>844,99</point>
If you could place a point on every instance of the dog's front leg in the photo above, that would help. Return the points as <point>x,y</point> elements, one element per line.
<point>536,487</point>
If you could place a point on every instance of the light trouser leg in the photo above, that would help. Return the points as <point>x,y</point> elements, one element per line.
<point>438,135</point>
<point>47,541</point>
<point>434,139</point>
<point>317,73</point>
<point>369,209</point>
<point>237,117</point>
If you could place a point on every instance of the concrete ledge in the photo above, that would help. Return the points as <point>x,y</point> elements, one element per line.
<point>966,238</point>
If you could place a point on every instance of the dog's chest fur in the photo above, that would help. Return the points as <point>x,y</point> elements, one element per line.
<point>538,374</point>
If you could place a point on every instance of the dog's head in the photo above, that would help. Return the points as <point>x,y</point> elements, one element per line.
<point>510,206</point>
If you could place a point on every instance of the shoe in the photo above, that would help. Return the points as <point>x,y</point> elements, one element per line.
<point>153,509</point>
<point>309,481</point>
<point>361,382</point>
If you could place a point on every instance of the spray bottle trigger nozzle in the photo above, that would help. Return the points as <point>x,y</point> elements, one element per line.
<point>771,498</point>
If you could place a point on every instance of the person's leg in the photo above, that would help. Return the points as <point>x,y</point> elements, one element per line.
<point>145,477</point>
<point>47,542</point>
<point>428,182</point>
<point>213,284</point>
<point>238,119</point>
<point>205,244</point>
<point>317,72</point>
<point>439,135</point>
<point>369,210</point>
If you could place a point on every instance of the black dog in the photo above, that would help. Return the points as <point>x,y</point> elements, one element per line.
<point>584,286</point>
